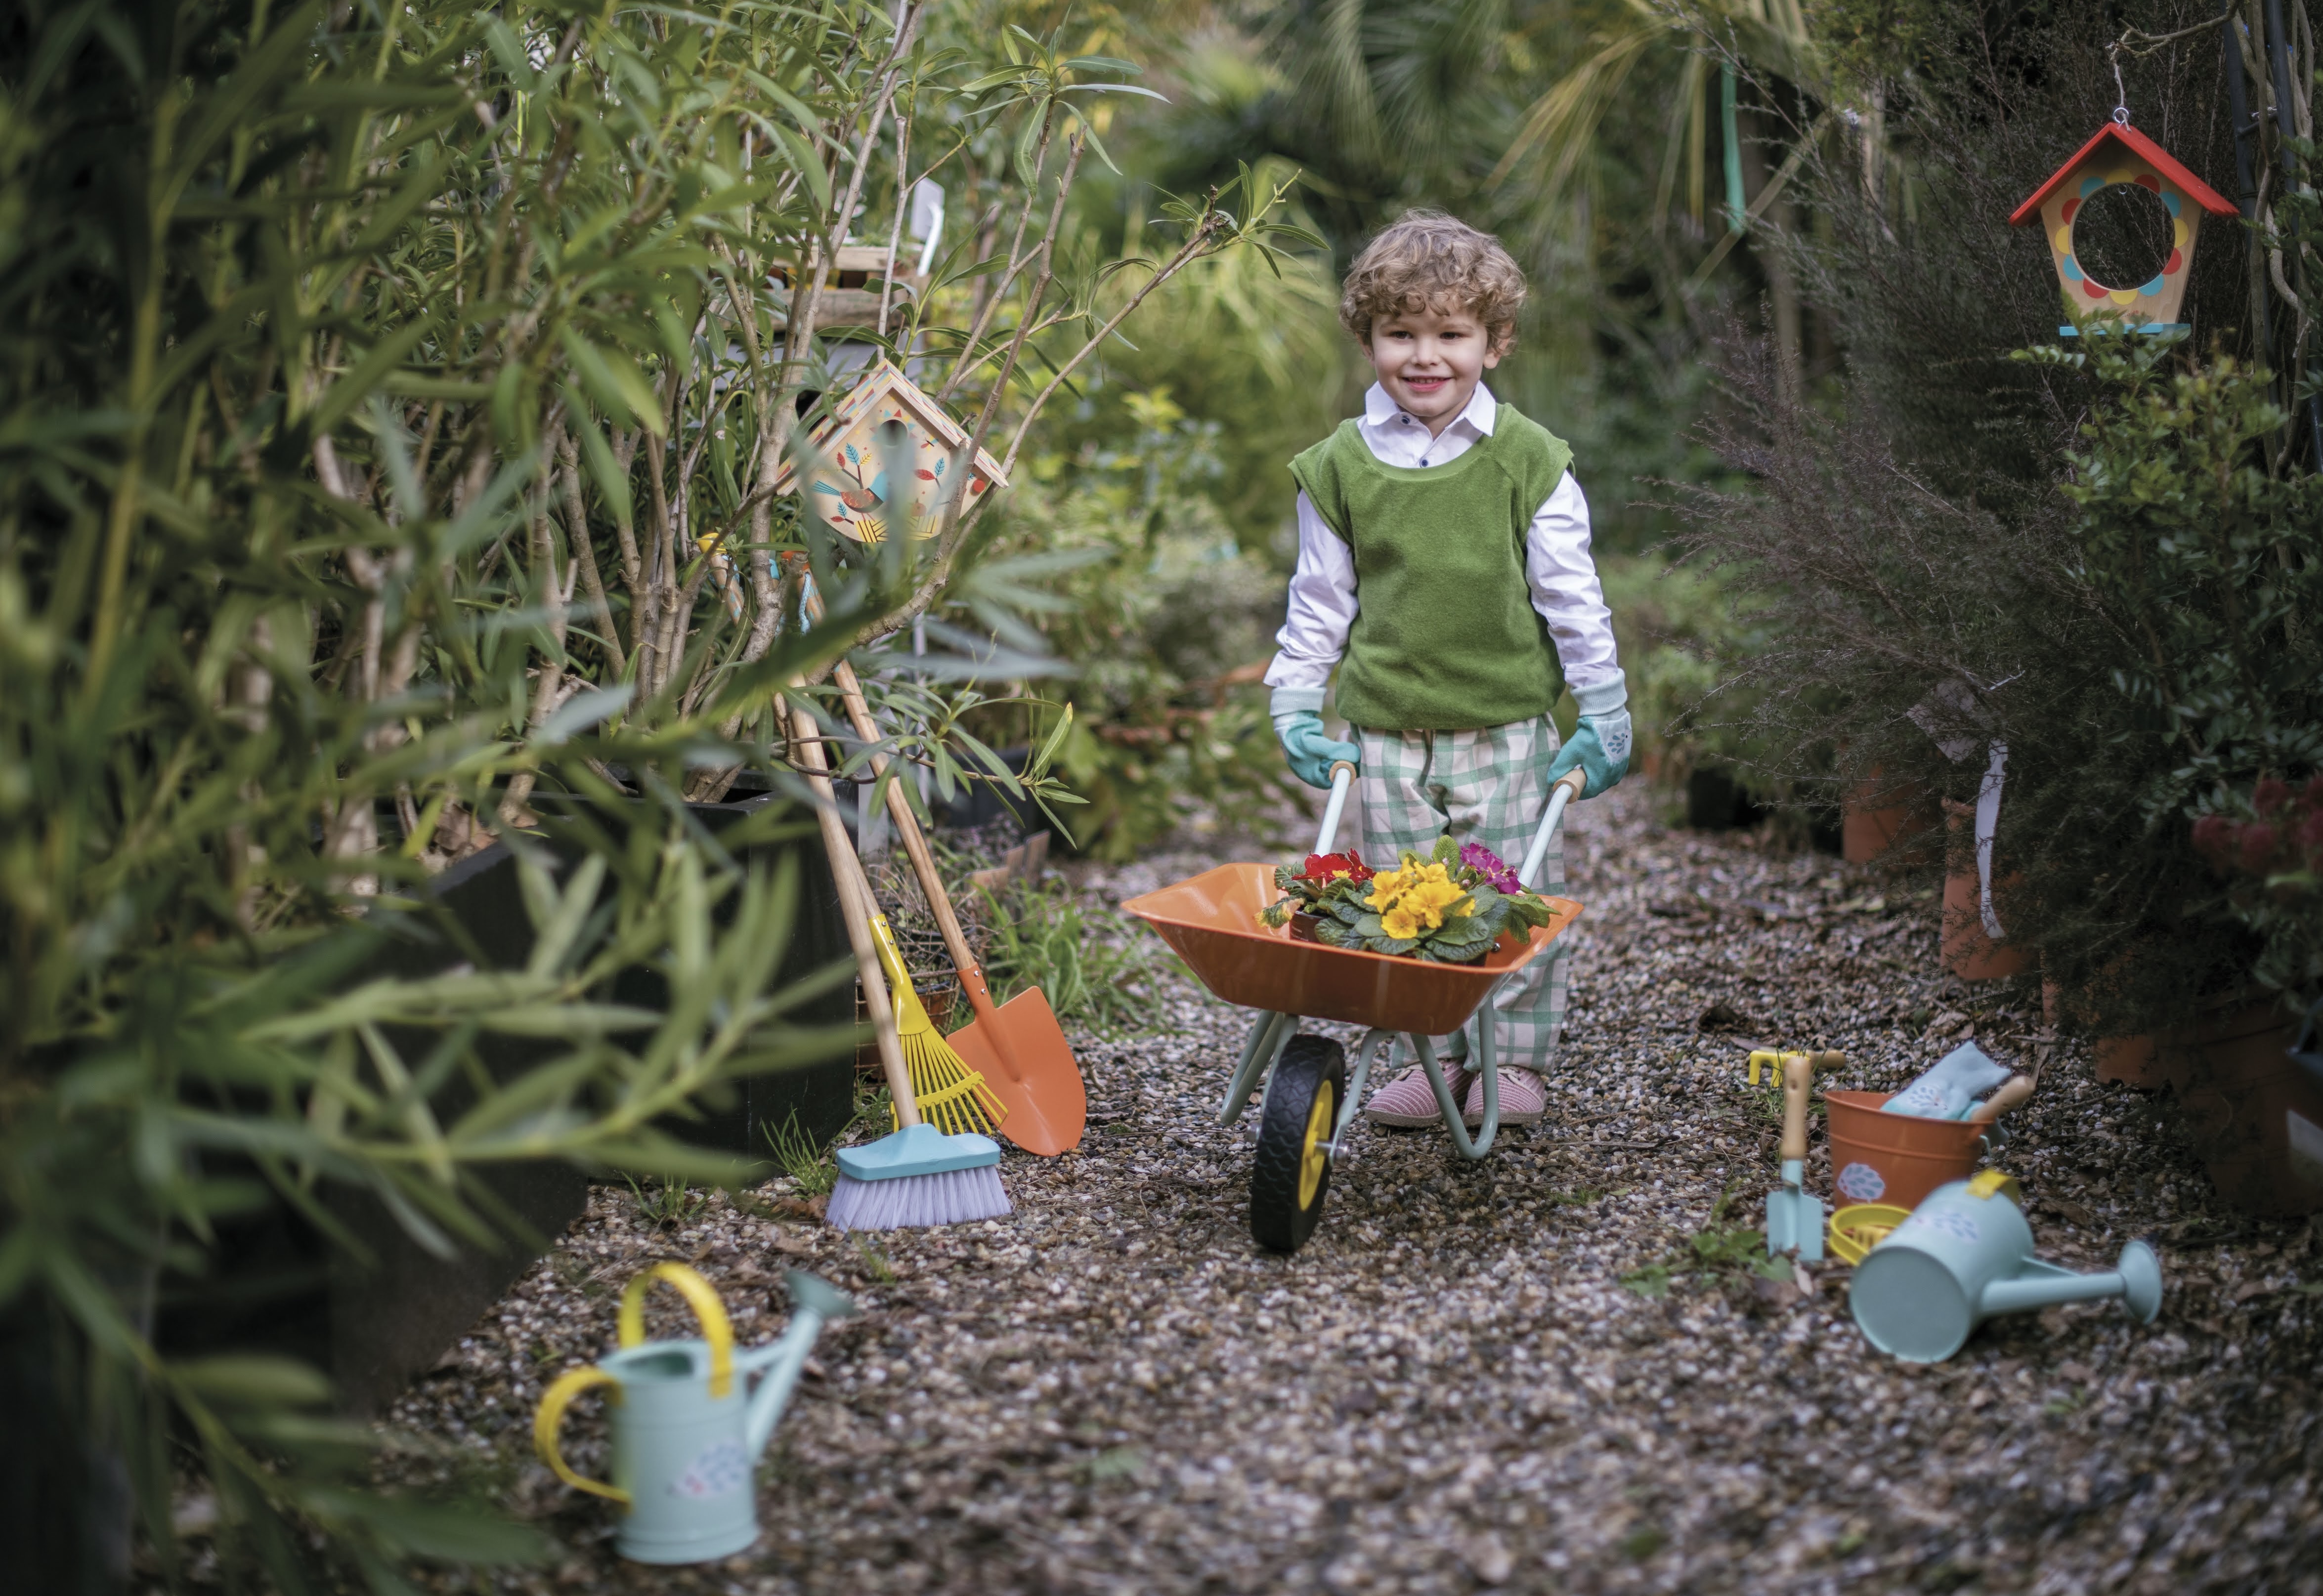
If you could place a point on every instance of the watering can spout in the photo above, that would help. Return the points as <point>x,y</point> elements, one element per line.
<point>813,1304</point>
<point>2137,1281</point>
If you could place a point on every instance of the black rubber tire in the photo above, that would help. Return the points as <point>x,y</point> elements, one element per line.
<point>1311,1067</point>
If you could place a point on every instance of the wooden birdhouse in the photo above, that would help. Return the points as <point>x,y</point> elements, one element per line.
<point>2119,156</point>
<point>846,473</point>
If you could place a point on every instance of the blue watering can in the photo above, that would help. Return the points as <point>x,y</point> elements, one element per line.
<point>686,1430</point>
<point>1965,1254</point>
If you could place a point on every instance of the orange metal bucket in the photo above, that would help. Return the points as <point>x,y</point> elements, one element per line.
<point>1212,922</point>
<point>1896,1158</point>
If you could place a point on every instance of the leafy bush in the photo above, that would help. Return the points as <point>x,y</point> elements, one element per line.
<point>2207,573</point>
<point>1091,964</point>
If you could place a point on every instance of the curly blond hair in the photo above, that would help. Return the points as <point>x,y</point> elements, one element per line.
<point>1427,260</point>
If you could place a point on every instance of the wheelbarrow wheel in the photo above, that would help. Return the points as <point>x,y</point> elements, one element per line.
<point>1291,1174</point>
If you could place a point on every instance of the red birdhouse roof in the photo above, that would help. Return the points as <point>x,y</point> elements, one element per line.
<point>2200,192</point>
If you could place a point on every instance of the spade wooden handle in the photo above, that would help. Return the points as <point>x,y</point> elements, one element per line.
<point>1798,1072</point>
<point>2012,1091</point>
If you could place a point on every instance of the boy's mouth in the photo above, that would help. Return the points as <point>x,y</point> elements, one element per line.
<point>1425,384</point>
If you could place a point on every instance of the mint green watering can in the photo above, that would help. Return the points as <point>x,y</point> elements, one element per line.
<point>1965,1254</point>
<point>687,1428</point>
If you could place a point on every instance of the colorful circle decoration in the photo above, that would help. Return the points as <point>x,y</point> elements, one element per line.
<point>2179,233</point>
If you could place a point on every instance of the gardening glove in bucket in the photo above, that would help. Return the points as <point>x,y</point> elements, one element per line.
<point>1600,745</point>
<point>1298,724</point>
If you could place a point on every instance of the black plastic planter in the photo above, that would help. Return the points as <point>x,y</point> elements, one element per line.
<point>278,1286</point>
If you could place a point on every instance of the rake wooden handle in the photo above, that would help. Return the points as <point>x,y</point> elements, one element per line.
<point>855,908</point>
<point>916,844</point>
<point>1798,1071</point>
<point>2012,1091</point>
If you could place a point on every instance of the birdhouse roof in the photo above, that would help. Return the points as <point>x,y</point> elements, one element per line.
<point>2138,144</point>
<point>886,381</point>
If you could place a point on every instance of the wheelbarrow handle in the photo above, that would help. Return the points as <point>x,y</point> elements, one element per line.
<point>1343,778</point>
<point>1568,788</point>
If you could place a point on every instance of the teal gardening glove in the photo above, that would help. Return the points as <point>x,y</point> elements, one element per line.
<point>1600,745</point>
<point>1298,725</point>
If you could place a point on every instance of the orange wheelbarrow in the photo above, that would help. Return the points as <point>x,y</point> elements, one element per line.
<point>1212,922</point>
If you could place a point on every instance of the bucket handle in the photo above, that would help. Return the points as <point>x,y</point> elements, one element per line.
<point>547,1422</point>
<point>700,1296</point>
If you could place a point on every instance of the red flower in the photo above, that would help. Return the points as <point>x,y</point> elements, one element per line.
<point>2214,838</point>
<point>2311,800</point>
<point>2271,795</point>
<point>1326,866</point>
<point>2258,840</point>
<point>2311,833</point>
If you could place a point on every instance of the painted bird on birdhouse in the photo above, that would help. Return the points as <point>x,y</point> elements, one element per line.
<point>847,458</point>
<point>2109,180</point>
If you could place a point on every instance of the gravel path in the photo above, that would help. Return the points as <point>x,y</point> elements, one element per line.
<point>1520,1373</point>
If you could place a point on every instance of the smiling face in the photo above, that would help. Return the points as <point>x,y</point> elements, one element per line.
<point>1430,361</point>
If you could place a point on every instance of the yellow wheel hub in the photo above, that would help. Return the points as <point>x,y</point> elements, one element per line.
<point>1317,1155</point>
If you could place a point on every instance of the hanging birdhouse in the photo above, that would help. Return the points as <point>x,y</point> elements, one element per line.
<point>850,460</point>
<point>2120,218</point>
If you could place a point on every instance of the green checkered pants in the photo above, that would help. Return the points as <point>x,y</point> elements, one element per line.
<point>1485,787</point>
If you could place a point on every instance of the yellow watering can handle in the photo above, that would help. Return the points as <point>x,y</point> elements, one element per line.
<point>546,1423</point>
<point>703,1299</point>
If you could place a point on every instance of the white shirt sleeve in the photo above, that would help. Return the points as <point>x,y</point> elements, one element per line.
<point>1565,591</point>
<point>1322,609</point>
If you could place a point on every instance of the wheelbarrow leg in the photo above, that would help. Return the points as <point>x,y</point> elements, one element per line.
<point>1482,1142</point>
<point>1377,1043</point>
<point>1269,1033</point>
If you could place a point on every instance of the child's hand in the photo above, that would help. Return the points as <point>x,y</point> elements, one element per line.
<point>1311,754</point>
<point>1599,748</point>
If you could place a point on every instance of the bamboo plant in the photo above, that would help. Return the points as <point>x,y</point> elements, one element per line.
<point>391,397</point>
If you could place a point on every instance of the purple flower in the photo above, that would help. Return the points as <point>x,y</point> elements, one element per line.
<point>1487,864</point>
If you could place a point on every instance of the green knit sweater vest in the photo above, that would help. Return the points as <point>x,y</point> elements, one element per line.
<point>1446,637</point>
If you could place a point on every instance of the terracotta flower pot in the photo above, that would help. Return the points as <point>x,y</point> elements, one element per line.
<point>1877,817</point>
<point>2255,1115</point>
<point>2139,1061</point>
<point>1966,951</point>
<point>1302,927</point>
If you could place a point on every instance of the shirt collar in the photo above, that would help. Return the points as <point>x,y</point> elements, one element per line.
<point>1379,409</point>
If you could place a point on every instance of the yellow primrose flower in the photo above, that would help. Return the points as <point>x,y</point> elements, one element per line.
<point>1438,894</point>
<point>1386,887</point>
<point>1400,923</point>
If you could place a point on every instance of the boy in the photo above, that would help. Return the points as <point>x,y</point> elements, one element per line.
<point>1443,555</point>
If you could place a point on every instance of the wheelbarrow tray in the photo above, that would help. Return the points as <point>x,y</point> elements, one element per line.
<point>1212,922</point>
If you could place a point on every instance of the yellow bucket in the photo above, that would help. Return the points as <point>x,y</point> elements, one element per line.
<point>1857,1229</point>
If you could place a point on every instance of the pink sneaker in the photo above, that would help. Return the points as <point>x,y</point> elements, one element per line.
<point>1524,1098</point>
<point>1409,1101</point>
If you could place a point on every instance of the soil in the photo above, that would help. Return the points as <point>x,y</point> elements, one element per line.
<point>1555,1369</point>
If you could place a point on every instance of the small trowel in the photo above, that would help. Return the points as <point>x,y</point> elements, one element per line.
<point>1793,1218</point>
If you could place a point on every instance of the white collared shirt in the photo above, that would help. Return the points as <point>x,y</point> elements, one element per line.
<point>1562,578</point>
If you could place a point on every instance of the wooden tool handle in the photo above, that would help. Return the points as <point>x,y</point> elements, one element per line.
<point>1574,781</point>
<point>855,908</point>
<point>2012,1091</point>
<point>1798,1072</point>
<point>916,844</point>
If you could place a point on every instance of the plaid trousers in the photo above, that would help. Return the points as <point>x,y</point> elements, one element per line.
<point>1487,786</point>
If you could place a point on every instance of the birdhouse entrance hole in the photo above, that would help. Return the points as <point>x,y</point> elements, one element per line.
<point>2123,236</point>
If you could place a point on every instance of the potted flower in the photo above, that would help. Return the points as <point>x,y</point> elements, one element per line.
<point>1450,908</point>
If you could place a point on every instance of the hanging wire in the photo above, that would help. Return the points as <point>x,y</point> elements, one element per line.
<point>2120,93</point>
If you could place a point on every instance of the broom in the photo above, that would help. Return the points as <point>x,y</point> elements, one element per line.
<point>949,1095</point>
<point>918,1176</point>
